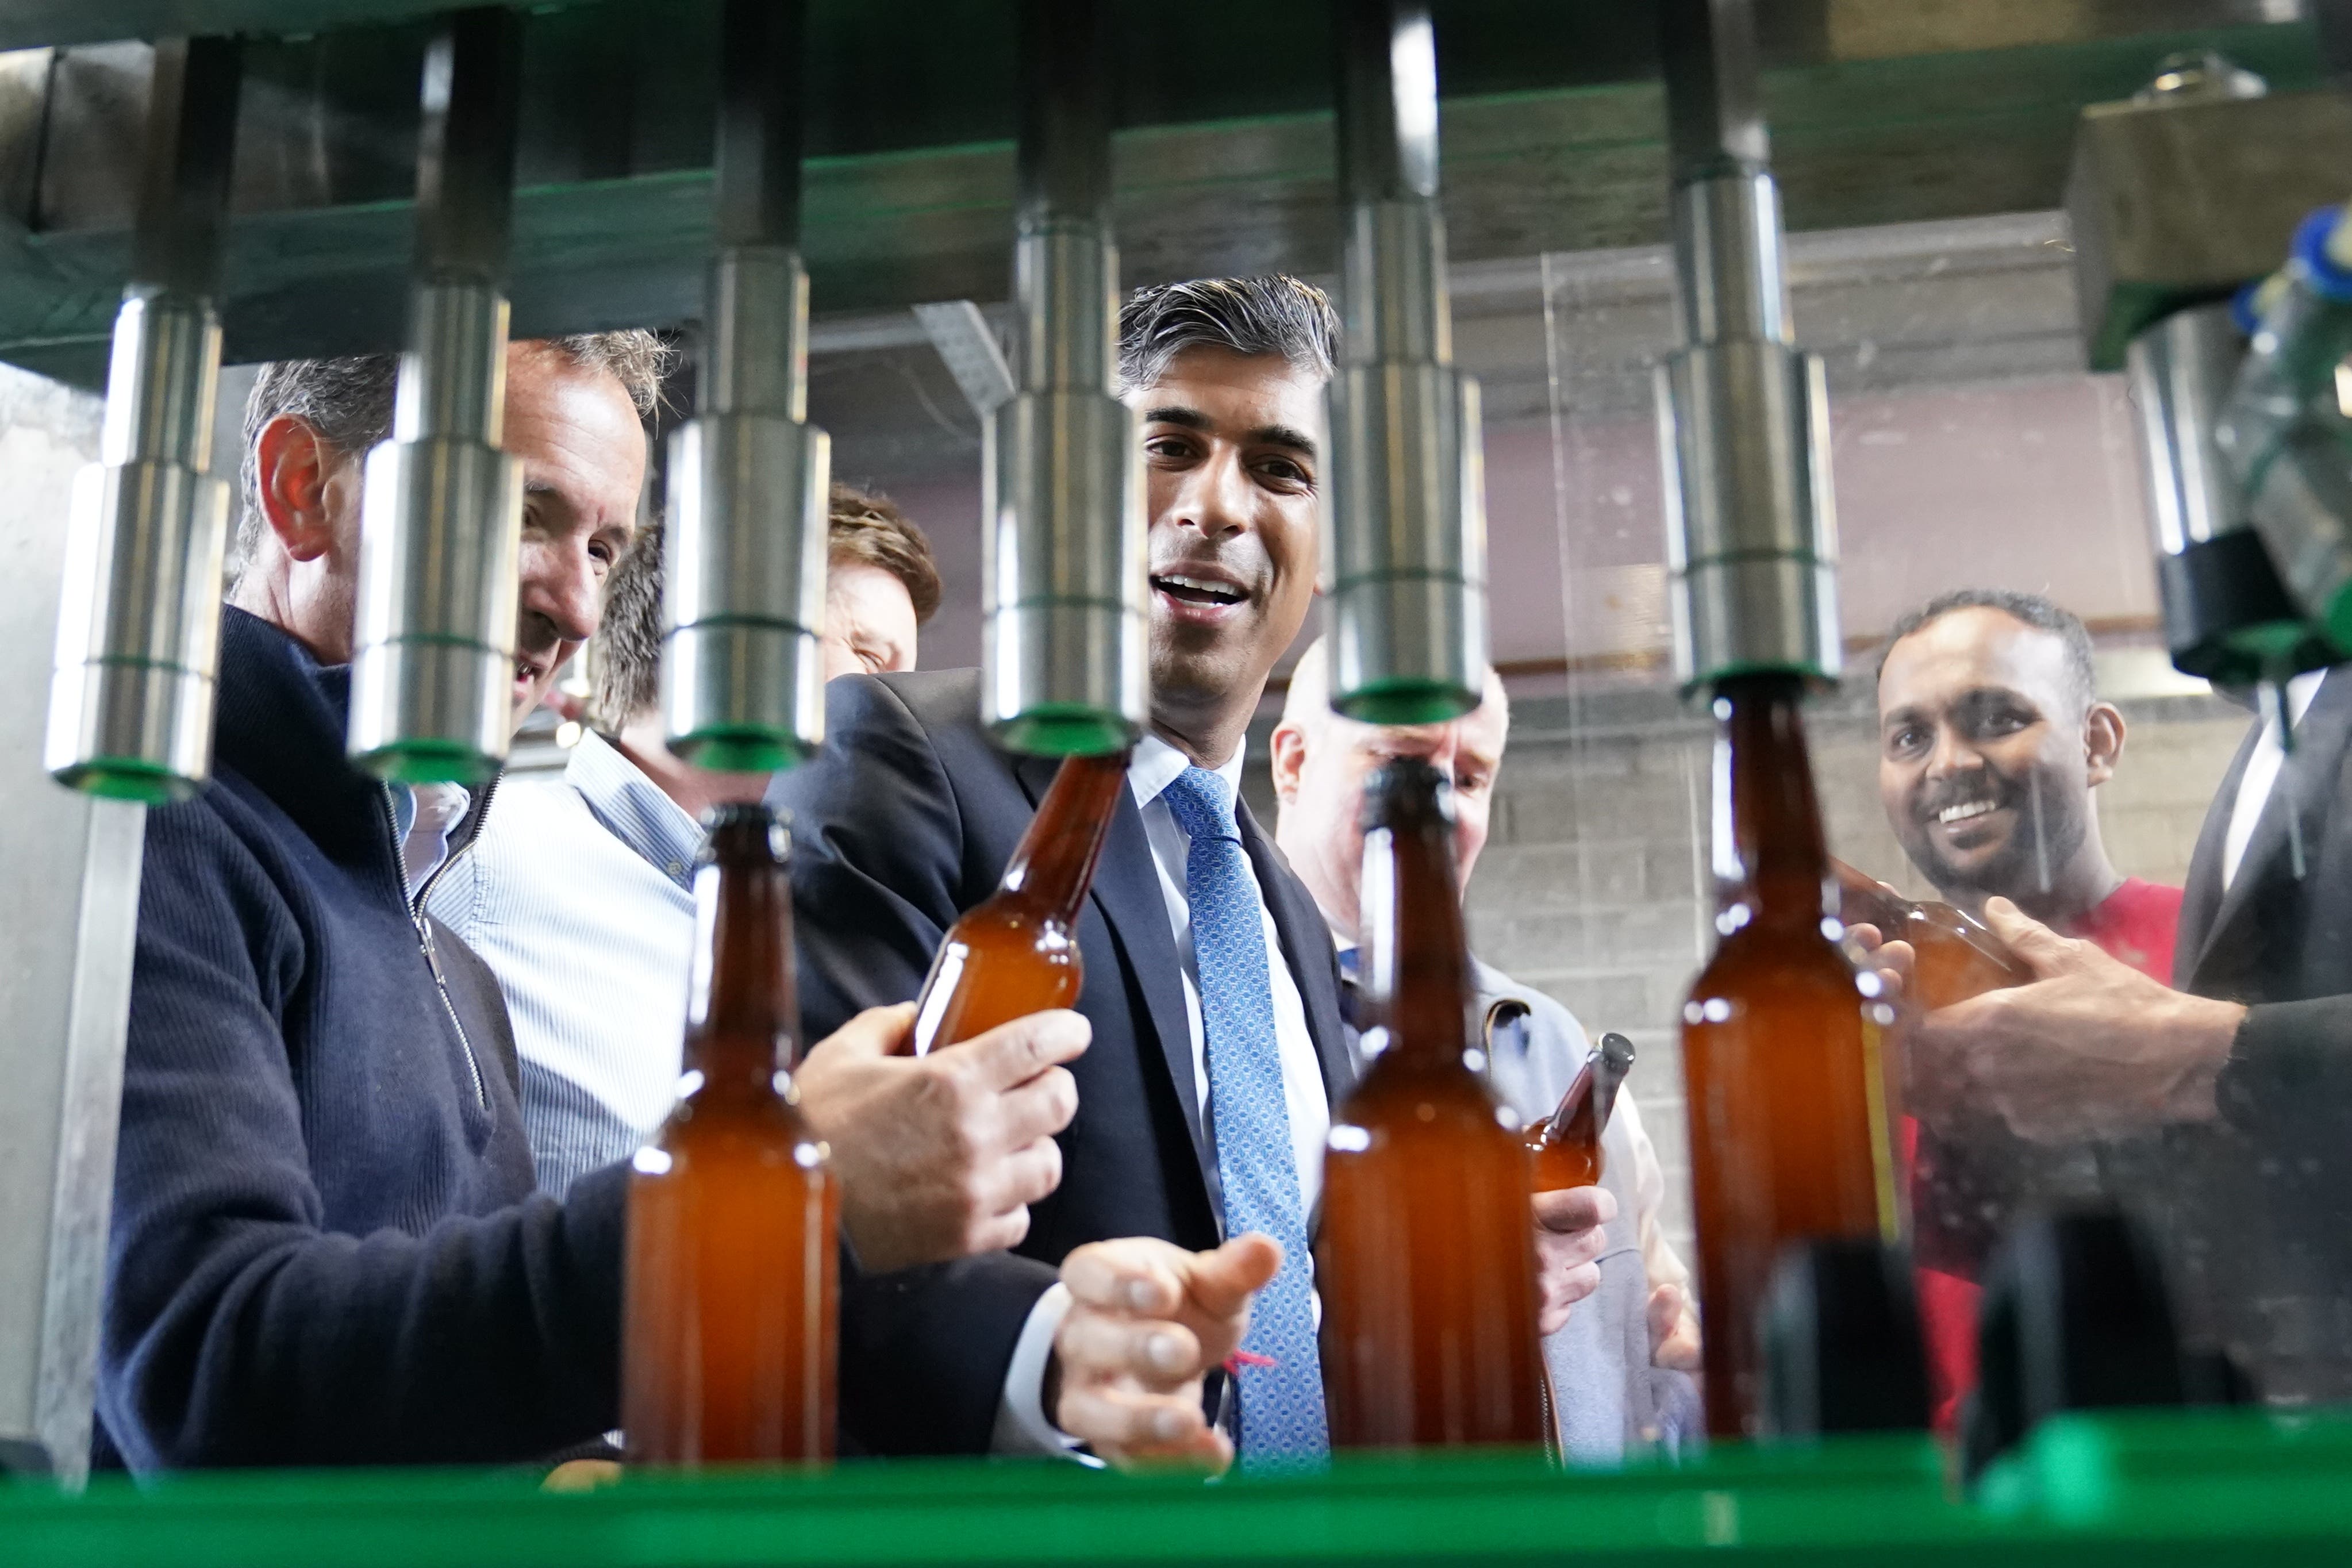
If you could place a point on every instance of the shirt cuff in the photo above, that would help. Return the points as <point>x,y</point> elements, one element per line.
<point>1022,1426</point>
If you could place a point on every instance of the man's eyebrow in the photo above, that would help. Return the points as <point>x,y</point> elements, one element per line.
<point>1187,418</point>
<point>1284,435</point>
<point>1905,714</point>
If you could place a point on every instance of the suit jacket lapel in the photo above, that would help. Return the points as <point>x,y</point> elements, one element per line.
<point>2320,740</point>
<point>2202,898</point>
<point>1127,892</point>
<point>1307,947</point>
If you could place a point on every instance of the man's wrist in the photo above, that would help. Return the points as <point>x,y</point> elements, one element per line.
<point>2207,1031</point>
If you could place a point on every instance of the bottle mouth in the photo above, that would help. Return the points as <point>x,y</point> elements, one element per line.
<point>1406,790</point>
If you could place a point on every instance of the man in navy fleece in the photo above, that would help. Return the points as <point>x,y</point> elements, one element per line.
<point>325,1245</point>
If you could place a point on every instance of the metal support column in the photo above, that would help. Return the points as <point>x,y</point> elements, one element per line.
<point>1407,551</point>
<point>1743,418</point>
<point>743,672</point>
<point>130,707</point>
<point>1063,667</point>
<point>433,677</point>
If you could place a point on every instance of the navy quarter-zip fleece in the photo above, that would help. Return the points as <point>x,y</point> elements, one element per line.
<point>325,1247</point>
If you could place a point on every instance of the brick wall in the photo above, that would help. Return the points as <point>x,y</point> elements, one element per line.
<point>1594,884</point>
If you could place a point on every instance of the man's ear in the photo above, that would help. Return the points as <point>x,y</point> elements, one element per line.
<point>296,463</point>
<point>1289,760</point>
<point>2103,741</point>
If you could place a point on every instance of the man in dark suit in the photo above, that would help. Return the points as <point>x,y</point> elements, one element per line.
<point>1210,982</point>
<point>2231,1095</point>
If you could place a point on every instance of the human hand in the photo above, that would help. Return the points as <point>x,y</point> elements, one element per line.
<point>1891,966</point>
<point>1673,1331</point>
<point>940,1157</point>
<point>1146,1321</point>
<point>1568,1237</point>
<point>2091,1049</point>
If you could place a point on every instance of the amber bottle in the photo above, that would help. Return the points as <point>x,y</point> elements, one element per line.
<point>1016,952</point>
<point>1567,1143</point>
<point>1426,1258</point>
<point>1958,956</point>
<point>1789,1129</point>
<point>728,1344</point>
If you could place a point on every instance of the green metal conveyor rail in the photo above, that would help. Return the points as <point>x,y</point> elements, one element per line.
<point>2211,1490</point>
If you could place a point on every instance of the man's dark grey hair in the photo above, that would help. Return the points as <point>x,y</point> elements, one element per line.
<point>1269,315</point>
<point>2032,609</point>
<point>348,403</point>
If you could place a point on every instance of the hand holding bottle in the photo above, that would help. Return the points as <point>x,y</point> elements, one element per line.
<point>1568,1239</point>
<point>2092,1048</point>
<point>940,1157</point>
<point>1146,1321</point>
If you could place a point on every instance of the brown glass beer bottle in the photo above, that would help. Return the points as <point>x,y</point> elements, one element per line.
<point>1789,1129</point>
<point>1016,953</point>
<point>1567,1143</point>
<point>1958,956</point>
<point>1426,1259</point>
<point>728,1344</point>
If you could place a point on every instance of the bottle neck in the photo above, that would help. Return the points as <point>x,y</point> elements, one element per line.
<point>1416,951</point>
<point>1054,864</point>
<point>1771,858</point>
<point>742,1014</point>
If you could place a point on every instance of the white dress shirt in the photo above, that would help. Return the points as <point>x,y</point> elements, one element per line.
<point>1021,1425</point>
<point>578,893</point>
<point>2261,774</point>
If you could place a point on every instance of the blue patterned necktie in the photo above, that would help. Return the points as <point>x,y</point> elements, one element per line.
<point>1282,1404</point>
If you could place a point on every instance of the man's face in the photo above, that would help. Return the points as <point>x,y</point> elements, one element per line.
<point>582,453</point>
<point>869,621</point>
<point>1231,452</point>
<point>1319,777</point>
<point>1985,766</point>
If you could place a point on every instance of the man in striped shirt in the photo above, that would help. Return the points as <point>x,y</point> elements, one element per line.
<point>578,891</point>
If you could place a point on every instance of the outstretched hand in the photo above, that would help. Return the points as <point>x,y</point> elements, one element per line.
<point>1146,1321</point>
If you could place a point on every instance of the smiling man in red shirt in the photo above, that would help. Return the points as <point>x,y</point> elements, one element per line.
<point>1991,739</point>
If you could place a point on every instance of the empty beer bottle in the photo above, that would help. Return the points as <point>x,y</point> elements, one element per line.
<point>729,1345</point>
<point>1567,1143</point>
<point>1958,956</point>
<point>1789,1134</point>
<point>1016,953</point>
<point>1426,1261</point>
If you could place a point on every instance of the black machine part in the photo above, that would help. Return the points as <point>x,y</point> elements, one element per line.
<point>2076,1316</point>
<point>1842,1346</point>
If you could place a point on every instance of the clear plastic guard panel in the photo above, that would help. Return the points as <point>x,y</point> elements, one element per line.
<point>1971,452</point>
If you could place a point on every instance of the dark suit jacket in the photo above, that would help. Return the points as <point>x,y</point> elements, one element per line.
<point>2255,1208</point>
<point>905,820</point>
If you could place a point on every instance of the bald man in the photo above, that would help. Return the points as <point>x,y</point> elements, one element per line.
<point>1619,1363</point>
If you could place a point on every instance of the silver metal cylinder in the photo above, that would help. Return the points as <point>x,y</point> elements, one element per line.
<point>1743,427</point>
<point>743,668</point>
<point>433,674</point>
<point>2180,371</point>
<point>131,700</point>
<point>1065,665</point>
<point>1406,546</point>
<point>1751,536</point>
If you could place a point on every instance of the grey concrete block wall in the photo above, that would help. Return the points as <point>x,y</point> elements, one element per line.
<point>1595,884</point>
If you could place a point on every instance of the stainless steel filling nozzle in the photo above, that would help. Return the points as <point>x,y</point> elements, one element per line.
<point>1743,418</point>
<point>1407,543</point>
<point>742,668</point>
<point>1064,670</point>
<point>131,700</point>
<point>434,673</point>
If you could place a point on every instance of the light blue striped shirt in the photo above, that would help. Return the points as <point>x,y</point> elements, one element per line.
<point>578,893</point>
